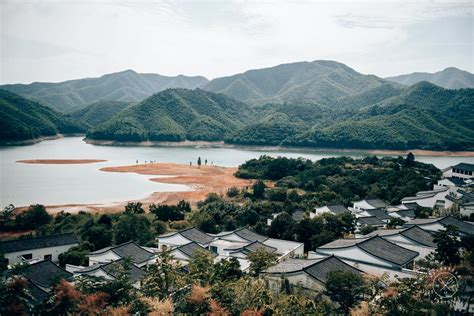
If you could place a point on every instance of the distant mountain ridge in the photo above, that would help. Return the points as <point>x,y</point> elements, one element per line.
<point>127,86</point>
<point>322,82</point>
<point>449,78</point>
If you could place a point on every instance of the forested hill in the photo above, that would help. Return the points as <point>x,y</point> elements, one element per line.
<point>126,86</point>
<point>24,120</point>
<point>176,115</point>
<point>450,78</point>
<point>97,113</point>
<point>323,82</point>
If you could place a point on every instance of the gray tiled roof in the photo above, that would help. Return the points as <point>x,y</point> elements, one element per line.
<point>321,269</point>
<point>128,249</point>
<point>464,166</point>
<point>337,208</point>
<point>191,248</point>
<point>134,273</point>
<point>370,220</point>
<point>388,251</point>
<point>456,181</point>
<point>342,243</point>
<point>38,295</point>
<point>462,226</point>
<point>37,242</point>
<point>379,213</point>
<point>384,232</point>
<point>291,265</point>
<point>254,246</point>
<point>45,273</point>
<point>377,203</point>
<point>419,235</point>
<point>406,213</point>
<point>196,235</point>
<point>249,235</point>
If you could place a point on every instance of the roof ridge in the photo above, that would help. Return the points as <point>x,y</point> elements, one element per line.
<point>45,260</point>
<point>37,237</point>
<point>358,245</point>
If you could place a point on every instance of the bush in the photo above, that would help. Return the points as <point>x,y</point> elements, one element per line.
<point>232,192</point>
<point>179,225</point>
<point>35,216</point>
<point>167,212</point>
<point>160,227</point>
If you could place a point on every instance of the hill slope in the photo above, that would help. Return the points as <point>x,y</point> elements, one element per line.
<point>425,116</point>
<point>24,120</point>
<point>126,86</point>
<point>322,82</point>
<point>449,78</point>
<point>97,112</point>
<point>175,115</point>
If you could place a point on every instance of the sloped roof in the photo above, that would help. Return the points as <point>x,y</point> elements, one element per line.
<point>370,220</point>
<point>464,166</point>
<point>406,213</point>
<point>419,235</point>
<point>196,235</point>
<point>135,273</point>
<point>291,265</point>
<point>45,273</point>
<point>379,213</point>
<point>388,251</point>
<point>378,247</point>
<point>456,181</point>
<point>191,248</point>
<point>38,294</point>
<point>337,208</point>
<point>249,235</point>
<point>128,249</point>
<point>37,242</point>
<point>462,226</point>
<point>377,203</point>
<point>256,245</point>
<point>321,269</point>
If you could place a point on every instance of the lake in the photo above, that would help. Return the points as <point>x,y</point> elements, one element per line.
<point>24,184</point>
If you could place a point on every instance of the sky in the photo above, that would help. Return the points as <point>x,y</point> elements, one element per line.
<point>52,41</point>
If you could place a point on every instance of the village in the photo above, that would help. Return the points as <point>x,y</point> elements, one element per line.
<point>393,246</point>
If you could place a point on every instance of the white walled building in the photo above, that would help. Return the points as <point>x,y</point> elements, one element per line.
<point>368,204</point>
<point>140,256</point>
<point>436,198</point>
<point>461,170</point>
<point>437,224</point>
<point>37,248</point>
<point>334,209</point>
<point>183,237</point>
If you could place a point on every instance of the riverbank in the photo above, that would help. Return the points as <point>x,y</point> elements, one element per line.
<point>61,161</point>
<point>202,181</point>
<point>221,144</point>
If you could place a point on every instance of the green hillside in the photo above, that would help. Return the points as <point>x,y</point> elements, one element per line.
<point>97,113</point>
<point>127,86</point>
<point>322,82</point>
<point>22,120</point>
<point>449,78</point>
<point>175,115</point>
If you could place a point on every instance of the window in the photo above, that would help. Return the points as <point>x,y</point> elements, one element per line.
<point>48,257</point>
<point>27,256</point>
<point>213,249</point>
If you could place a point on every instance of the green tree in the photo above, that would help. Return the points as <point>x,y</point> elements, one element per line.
<point>35,216</point>
<point>449,245</point>
<point>345,288</point>
<point>259,189</point>
<point>184,206</point>
<point>227,270</point>
<point>134,208</point>
<point>15,298</point>
<point>410,160</point>
<point>281,226</point>
<point>133,227</point>
<point>367,229</point>
<point>395,222</point>
<point>201,267</point>
<point>167,212</point>
<point>98,235</point>
<point>260,260</point>
<point>6,216</point>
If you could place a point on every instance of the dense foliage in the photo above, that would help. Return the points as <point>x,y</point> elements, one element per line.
<point>97,112</point>
<point>22,119</point>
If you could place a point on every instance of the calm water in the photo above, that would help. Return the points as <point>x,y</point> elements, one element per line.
<point>24,184</point>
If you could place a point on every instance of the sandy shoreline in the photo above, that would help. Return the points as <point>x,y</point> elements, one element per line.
<point>221,144</point>
<point>203,180</point>
<point>61,161</point>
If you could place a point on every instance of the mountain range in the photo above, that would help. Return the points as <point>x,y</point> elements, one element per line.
<point>449,78</point>
<point>128,86</point>
<point>316,104</point>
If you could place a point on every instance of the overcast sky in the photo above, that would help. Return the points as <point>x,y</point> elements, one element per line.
<point>60,40</point>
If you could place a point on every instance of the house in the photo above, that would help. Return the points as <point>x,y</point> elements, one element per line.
<point>451,182</point>
<point>307,274</point>
<point>185,253</point>
<point>297,216</point>
<point>436,198</point>
<point>41,277</point>
<point>466,209</point>
<point>368,204</point>
<point>183,237</point>
<point>140,256</point>
<point>369,221</point>
<point>37,248</point>
<point>374,255</point>
<point>414,238</point>
<point>334,209</point>
<point>437,224</point>
<point>404,214</point>
<point>461,170</point>
<point>111,270</point>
